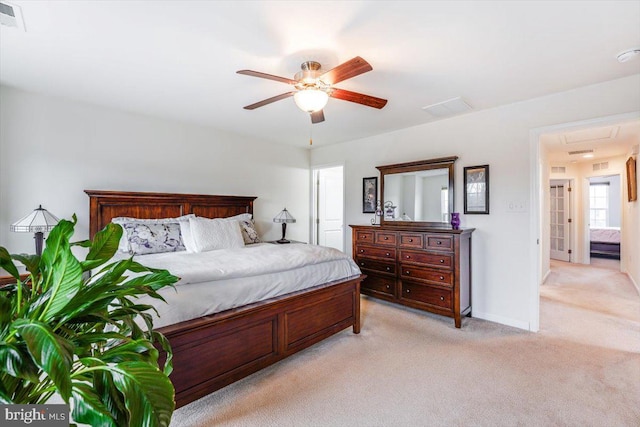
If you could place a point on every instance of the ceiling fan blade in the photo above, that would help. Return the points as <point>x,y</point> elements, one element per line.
<point>269,101</point>
<point>351,68</point>
<point>267,76</point>
<point>358,98</point>
<point>317,117</point>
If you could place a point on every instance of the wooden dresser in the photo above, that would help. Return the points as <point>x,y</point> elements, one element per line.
<point>425,268</point>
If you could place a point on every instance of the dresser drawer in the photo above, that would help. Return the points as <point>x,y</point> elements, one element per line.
<point>439,242</point>
<point>427,294</point>
<point>376,252</point>
<point>411,240</point>
<point>431,259</point>
<point>380,284</point>
<point>375,265</point>
<point>364,236</point>
<point>385,238</point>
<point>440,277</point>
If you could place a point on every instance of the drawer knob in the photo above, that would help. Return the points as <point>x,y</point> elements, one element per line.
<point>407,272</point>
<point>361,251</point>
<point>388,268</point>
<point>439,242</point>
<point>441,261</point>
<point>362,264</point>
<point>364,237</point>
<point>388,287</point>
<point>441,298</point>
<point>441,277</point>
<point>386,237</point>
<point>388,254</point>
<point>408,291</point>
<point>410,240</point>
<point>408,256</point>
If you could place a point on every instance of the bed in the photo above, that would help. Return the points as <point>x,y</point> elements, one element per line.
<point>605,242</point>
<point>215,350</point>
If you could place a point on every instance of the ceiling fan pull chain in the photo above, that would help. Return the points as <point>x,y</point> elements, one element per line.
<point>311,134</point>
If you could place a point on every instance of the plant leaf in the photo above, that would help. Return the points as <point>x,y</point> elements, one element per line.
<point>7,263</point>
<point>111,397</point>
<point>17,364</point>
<point>88,408</point>
<point>105,242</point>
<point>31,262</point>
<point>52,353</point>
<point>63,270</point>
<point>104,246</point>
<point>135,350</point>
<point>149,395</point>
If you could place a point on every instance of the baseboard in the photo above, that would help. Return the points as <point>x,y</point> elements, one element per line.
<point>545,276</point>
<point>502,320</point>
<point>634,282</point>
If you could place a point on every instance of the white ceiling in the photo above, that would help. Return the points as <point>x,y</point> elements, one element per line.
<point>178,60</point>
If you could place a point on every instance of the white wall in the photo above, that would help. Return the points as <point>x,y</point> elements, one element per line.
<point>503,242</point>
<point>53,149</point>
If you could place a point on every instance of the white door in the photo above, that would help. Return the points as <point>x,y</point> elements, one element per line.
<point>330,207</point>
<point>560,220</point>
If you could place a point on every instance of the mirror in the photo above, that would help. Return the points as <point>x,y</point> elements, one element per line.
<point>417,193</point>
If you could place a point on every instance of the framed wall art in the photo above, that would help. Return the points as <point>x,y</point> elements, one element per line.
<point>369,194</point>
<point>632,180</point>
<point>476,189</point>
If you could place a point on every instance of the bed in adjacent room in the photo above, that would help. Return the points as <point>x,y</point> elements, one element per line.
<point>605,242</point>
<point>237,308</point>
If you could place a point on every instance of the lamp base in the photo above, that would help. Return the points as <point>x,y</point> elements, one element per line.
<point>281,241</point>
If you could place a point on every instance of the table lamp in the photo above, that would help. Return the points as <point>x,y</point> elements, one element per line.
<point>39,221</point>
<point>285,218</point>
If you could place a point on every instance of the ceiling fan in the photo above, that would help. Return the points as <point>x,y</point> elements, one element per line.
<point>313,87</point>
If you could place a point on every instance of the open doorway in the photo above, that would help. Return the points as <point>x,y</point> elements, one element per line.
<point>328,207</point>
<point>576,151</point>
<point>605,219</point>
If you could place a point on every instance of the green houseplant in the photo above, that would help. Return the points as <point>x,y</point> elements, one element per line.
<point>64,333</point>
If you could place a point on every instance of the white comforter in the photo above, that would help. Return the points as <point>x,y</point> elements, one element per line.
<point>251,260</point>
<point>218,280</point>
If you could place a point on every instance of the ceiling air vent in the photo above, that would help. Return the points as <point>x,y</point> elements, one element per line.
<point>573,153</point>
<point>600,166</point>
<point>451,107</point>
<point>558,169</point>
<point>11,16</point>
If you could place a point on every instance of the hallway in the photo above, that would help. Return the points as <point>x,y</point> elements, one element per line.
<point>591,304</point>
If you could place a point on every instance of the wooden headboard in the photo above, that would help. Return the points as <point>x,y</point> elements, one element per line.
<point>105,205</point>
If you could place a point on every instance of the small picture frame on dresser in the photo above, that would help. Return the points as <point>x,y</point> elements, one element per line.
<point>369,194</point>
<point>476,189</point>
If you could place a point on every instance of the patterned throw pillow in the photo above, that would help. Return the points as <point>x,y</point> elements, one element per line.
<point>152,238</point>
<point>124,246</point>
<point>248,228</point>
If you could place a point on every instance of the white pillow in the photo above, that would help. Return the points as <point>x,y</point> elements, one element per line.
<point>123,245</point>
<point>209,234</point>
<point>187,237</point>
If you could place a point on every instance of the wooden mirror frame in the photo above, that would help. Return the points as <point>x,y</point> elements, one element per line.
<point>422,165</point>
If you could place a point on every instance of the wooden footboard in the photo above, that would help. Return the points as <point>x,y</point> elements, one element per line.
<point>214,351</point>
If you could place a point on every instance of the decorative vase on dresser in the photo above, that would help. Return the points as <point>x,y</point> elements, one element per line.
<point>428,268</point>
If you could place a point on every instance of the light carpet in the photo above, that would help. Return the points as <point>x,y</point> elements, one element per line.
<point>410,368</point>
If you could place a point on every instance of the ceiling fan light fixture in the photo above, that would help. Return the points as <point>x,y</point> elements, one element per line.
<point>311,100</point>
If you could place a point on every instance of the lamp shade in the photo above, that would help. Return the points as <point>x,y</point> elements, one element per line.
<point>38,221</point>
<point>284,217</point>
<point>311,100</point>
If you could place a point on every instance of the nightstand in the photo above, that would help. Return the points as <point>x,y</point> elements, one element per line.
<point>5,280</point>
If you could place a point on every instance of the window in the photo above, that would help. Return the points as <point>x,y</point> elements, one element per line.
<point>599,205</point>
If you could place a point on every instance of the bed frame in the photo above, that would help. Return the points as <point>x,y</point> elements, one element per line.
<point>213,351</point>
